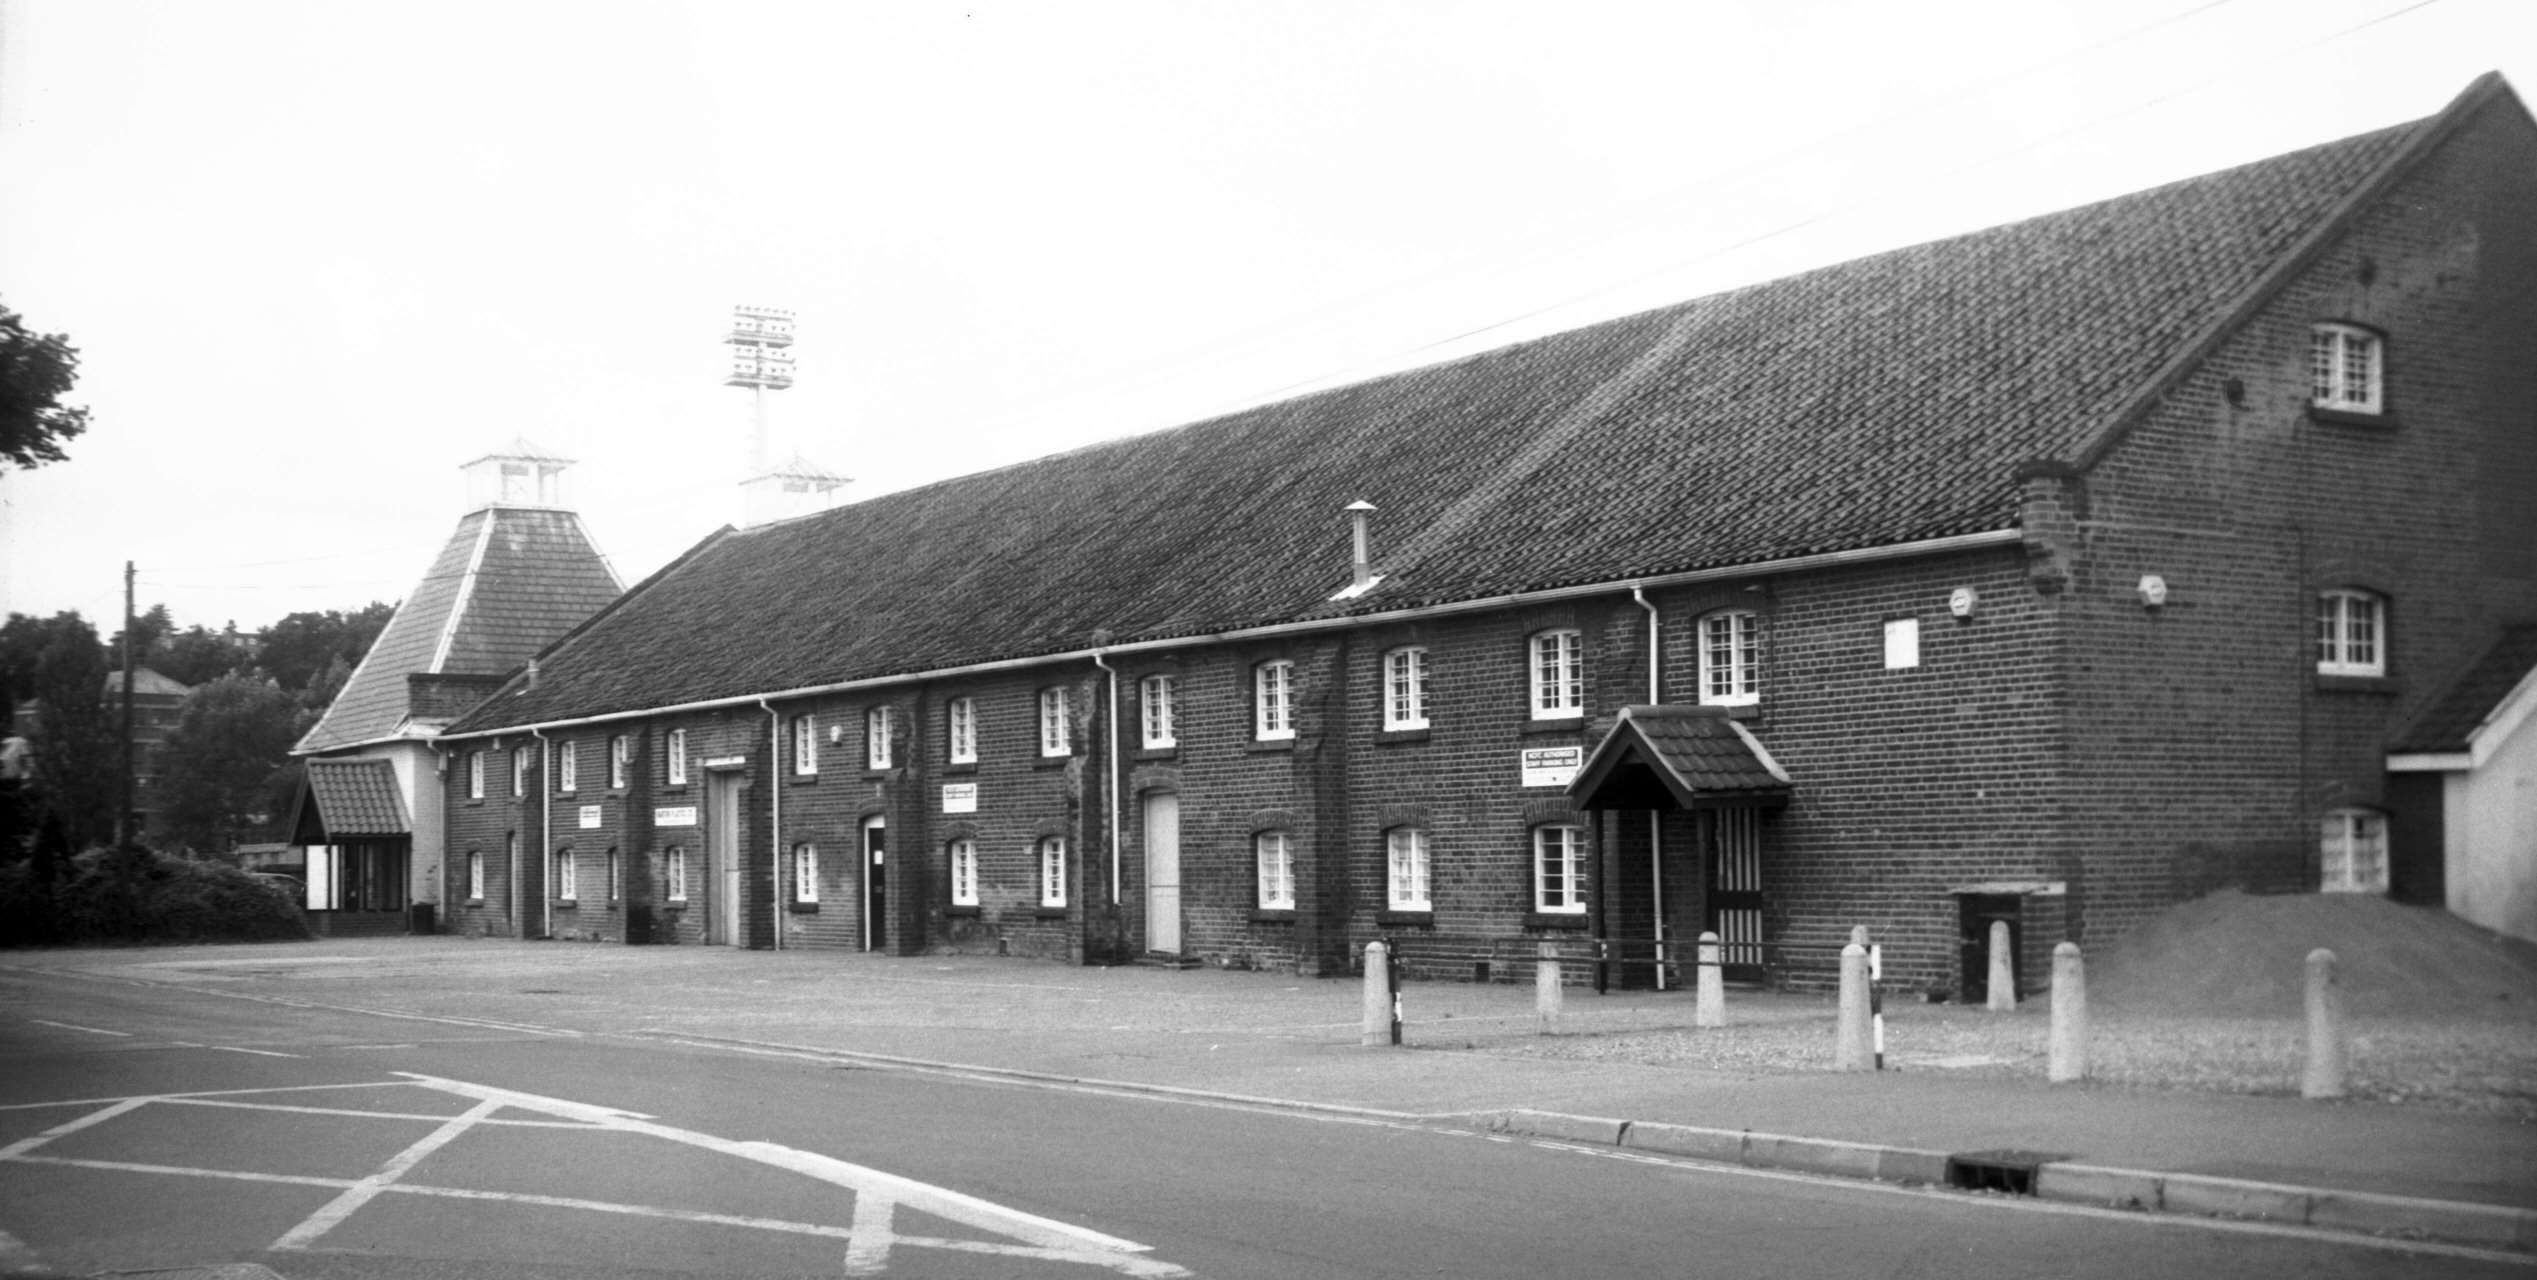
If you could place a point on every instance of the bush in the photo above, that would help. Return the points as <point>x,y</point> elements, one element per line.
<point>177,901</point>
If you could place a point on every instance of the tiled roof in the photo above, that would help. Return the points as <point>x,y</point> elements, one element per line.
<point>1695,755</point>
<point>1882,401</point>
<point>2444,726</point>
<point>539,576</point>
<point>146,682</point>
<point>352,799</point>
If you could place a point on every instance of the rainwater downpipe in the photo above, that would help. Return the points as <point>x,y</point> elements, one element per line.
<point>545,834</point>
<point>775,826</point>
<point>1110,768</point>
<point>1655,817</point>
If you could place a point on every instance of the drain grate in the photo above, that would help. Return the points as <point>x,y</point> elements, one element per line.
<point>2008,1172</point>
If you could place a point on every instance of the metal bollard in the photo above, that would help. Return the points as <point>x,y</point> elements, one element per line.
<point>2003,983</point>
<point>1546,992</point>
<point>1382,999</point>
<point>2068,1059</point>
<point>2327,1066</point>
<point>1711,1011</point>
<point>1850,1034</point>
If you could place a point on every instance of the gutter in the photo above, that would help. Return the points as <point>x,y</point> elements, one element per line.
<point>545,823</point>
<point>1110,768</point>
<point>1655,817</point>
<point>775,828</point>
<point>1788,564</point>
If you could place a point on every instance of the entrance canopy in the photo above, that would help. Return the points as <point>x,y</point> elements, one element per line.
<point>347,800</point>
<point>1676,757</point>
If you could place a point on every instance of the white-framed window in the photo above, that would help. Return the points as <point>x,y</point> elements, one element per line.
<point>1156,698</point>
<point>677,861</point>
<point>1902,643</point>
<point>677,752</point>
<point>805,872</point>
<point>2344,368</point>
<point>876,738</point>
<point>475,875</point>
<point>620,760</point>
<point>567,875</point>
<point>1052,871</point>
<point>2352,851</point>
<point>568,768</point>
<point>1558,676</point>
<point>1276,857</point>
<point>1273,700</point>
<point>964,872</point>
<point>1055,732</point>
<point>1406,848</point>
<point>961,730</point>
<point>2351,634</point>
<point>1559,859</point>
<point>616,875</point>
<point>1731,658</point>
<point>475,775</point>
<point>805,745</point>
<point>1405,689</point>
<point>520,760</point>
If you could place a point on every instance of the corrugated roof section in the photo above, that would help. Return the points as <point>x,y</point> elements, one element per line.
<point>1878,402</point>
<point>2444,726</point>
<point>356,799</point>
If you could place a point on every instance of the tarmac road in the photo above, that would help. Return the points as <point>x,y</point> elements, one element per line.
<point>147,1127</point>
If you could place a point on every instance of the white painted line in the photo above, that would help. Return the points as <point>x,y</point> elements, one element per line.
<point>355,1112</point>
<point>72,1026</point>
<point>633,1210</point>
<point>206,1093</point>
<point>262,1053</point>
<point>26,1144</point>
<point>341,1207</point>
<point>233,1175</point>
<point>868,1253</point>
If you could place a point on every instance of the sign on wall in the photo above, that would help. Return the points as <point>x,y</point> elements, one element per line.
<point>960,797</point>
<point>590,817</point>
<point>682,816</point>
<point>1552,766</point>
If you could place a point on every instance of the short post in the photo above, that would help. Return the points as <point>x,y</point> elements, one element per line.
<point>1382,1006</point>
<point>1876,1002</point>
<point>2068,1059</point>
<point>2327,1066</point>
<point>1711,1011</point>
<point>1546,993</point>
<point>1859,934</point>
<point>1850,1036</point>
<point>2003,984</point>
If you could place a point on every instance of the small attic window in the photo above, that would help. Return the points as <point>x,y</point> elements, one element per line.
<point>2345,369</point>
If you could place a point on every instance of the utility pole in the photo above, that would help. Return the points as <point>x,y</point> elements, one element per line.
<point>125,835</point>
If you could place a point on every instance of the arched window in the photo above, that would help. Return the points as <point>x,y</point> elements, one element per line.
<point>568,768</point>
<point>567,881</point>
<point>1730,658</point>
<point>620,760</point>
<point>964,872</point>
<point>1405,688</point>
<point>2344,367</point>
<point>677,753</point>
<point>1157,698</point>
<point>676,861</point>
<point>876,738</point>
<point>1558,676</point>
<point>2352,851</point>
<point>805,745</point>
<point>475,775</point>
<point>805,872</point>
<point>1559,861</point>
<point>960,726</point>
<point>1052,871</point>
<point>475,875</point>
<point>1273,701</point>
<point>1056,734</point>
<point>2351,634</point>
<point>1405,855</point>
<point>1276,858</point>
<point>616,875</point>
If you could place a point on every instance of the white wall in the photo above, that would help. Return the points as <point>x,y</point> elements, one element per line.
<point>2489,816</point>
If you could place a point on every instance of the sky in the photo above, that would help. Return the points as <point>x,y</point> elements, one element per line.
<point>317,256</point>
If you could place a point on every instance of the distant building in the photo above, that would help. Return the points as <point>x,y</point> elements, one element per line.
<point>157,704</point>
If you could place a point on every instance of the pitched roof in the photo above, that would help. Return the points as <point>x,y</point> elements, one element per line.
<point>2450,721</point>
<point>1695,757</point>
<point>145,683</point>
<point>349,799</point>
<point>509,581</point>
<point>1882,401</point>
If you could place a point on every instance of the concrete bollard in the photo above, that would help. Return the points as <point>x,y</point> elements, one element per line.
<point>2069,1054</point>
<point>1859,934</point>
<point>2327,1065</point>
<point>1711,1011</point>
<point>1851,1050</point>
<point>2003,983</point>
<point>1380,1026</point>
<point>1546,992</point>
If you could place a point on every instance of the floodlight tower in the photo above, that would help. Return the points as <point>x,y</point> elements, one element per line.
<point>761,360</point>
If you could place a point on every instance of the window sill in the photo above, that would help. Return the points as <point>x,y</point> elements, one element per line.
<point>1554,919</point>
<point>802,779</point>
<point>960,767</point>
<point>2354,684</point>
<point>673,786</point>
<point>567,904</point>
<point>1386,736</point>
<point>1171,752</point>
<point>1052,762</point>
<point>1050,913</point>
<point>2323,416</point>
<point>473,902</point>
<point>803,908</point>
<point>1272,915</point>
<point>476,802</point>
<point>1567,724</point>
<point>1427,917</point>
<point>960,910</point>
<point>1271,746</point>
<point>879,775</point>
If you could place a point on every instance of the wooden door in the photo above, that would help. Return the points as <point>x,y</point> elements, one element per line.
<point>876,888</point>
<point>722,859</point>
<point>1162,872</point>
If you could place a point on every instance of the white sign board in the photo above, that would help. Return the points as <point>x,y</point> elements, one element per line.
<point>1552,766</point>
<point>960,797</point>
<point>590,817</point>
<point>682,816</point>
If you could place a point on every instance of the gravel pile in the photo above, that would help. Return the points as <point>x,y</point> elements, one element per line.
<point>2244,955</point>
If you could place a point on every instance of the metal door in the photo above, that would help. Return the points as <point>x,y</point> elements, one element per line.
<point>876,896</point>
<point>722,859</point>
<point>1162,872</point>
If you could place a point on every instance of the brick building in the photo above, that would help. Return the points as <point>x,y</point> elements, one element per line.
<point>158,702</point>
<point>2052,573</point>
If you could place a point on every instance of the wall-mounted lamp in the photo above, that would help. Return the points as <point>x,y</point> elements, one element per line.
<point>2153,591</point>
<point>836,734</point>
<point>1962,600</point>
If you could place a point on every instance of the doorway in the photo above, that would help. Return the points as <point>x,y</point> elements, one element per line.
<point>876,887</point>
<point>1162,872</point>
<point>1975,913</point>
<point>722,859</point>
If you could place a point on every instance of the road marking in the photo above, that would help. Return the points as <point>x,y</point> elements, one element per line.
<point>204,1093</point>
<point>363,1192</point>
<point>234,1175</point>
<point>72,1026</point>
<point>425,1116</point>
<point>265,1053</point>
<point>67,1127</point>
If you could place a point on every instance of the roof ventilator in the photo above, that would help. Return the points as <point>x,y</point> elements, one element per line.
<point>1361,577</point>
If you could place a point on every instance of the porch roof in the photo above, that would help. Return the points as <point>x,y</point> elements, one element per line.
<point>348,800</point>
<point>1678,757</point>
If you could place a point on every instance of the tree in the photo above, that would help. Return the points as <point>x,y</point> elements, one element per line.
<point>198,655</point>
<point>226,763</point>
<point>59,664</point>
<point>36,371</point>
<point>298,649</point>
